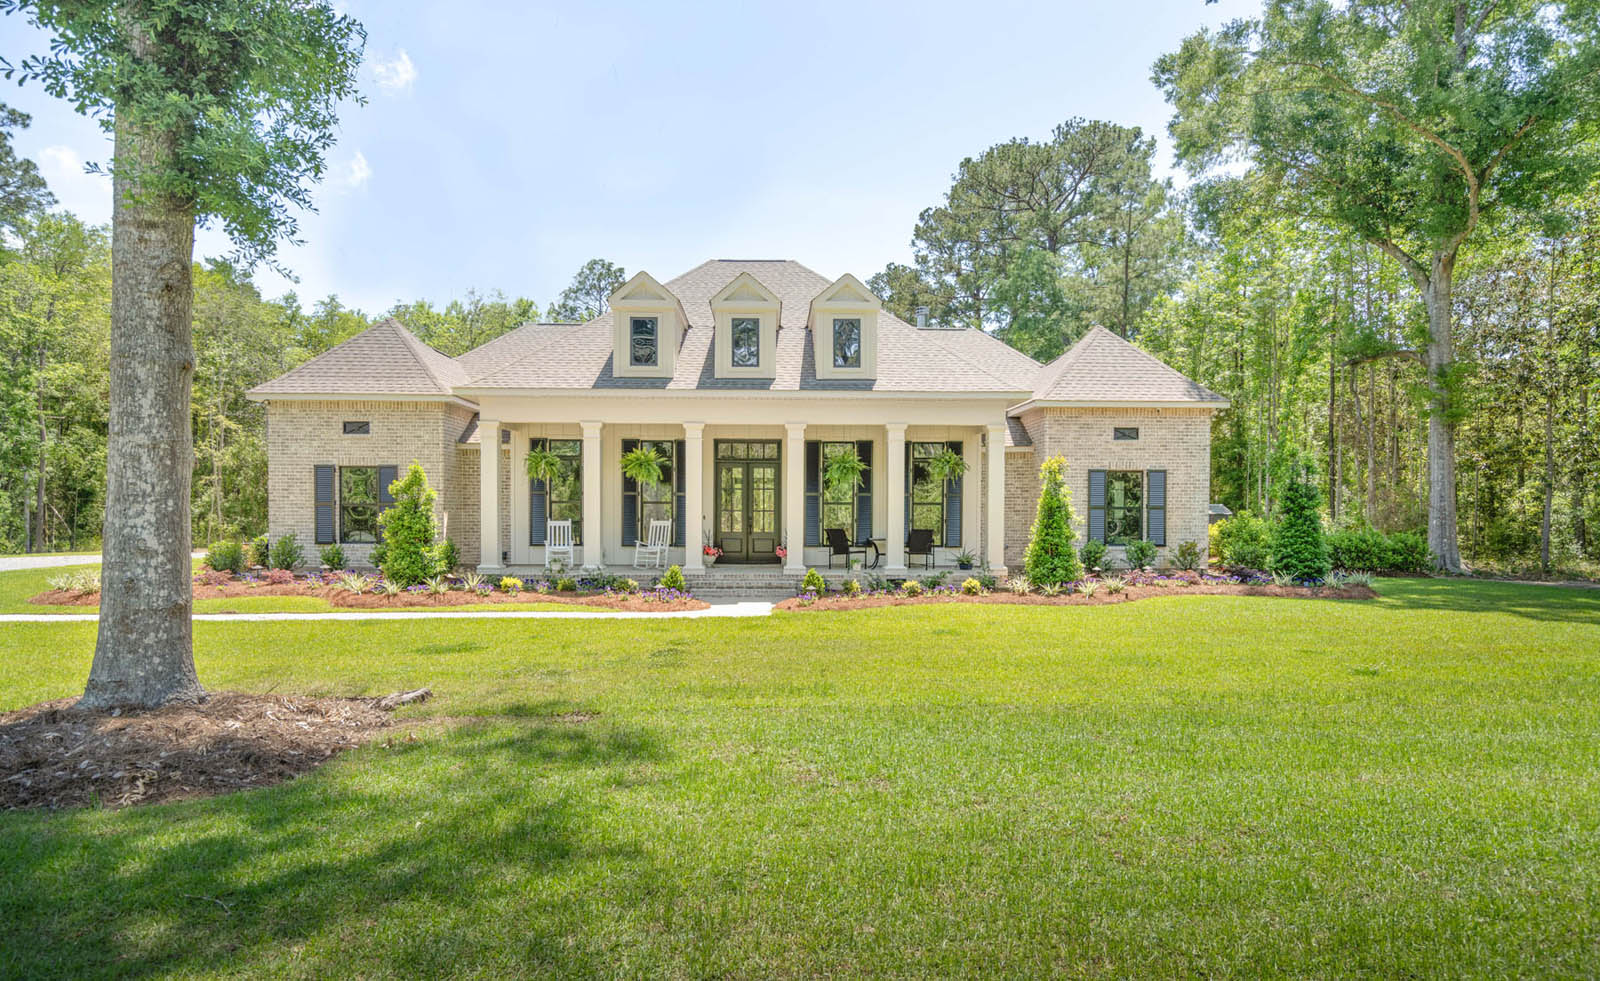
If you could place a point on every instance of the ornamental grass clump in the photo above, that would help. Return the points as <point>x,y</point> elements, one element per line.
<point>410,554</point>
<point>1298,548</point>
<point>1050,559</point>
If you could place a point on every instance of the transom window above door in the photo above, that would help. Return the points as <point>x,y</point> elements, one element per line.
<point>746,336</point>
<point>643,341</point>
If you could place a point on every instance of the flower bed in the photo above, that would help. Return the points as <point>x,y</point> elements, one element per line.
<point>1088,592</point>
<point>353,591</point>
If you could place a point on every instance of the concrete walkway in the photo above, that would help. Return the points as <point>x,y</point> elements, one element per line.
<point>746,609</point>
<point>12,563</point>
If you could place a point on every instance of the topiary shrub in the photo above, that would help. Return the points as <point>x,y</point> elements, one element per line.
<point>1244,541</point>
<point>332,556</point>
<point>1050,558</point>
<point>1298,548</point>
<point>226,557</point>
<point>409,554</point>
<point>1093,554</point>
<point>673,579</point>
<point>813,583</point>
<point>1141,554</point>
<point>286,553</point>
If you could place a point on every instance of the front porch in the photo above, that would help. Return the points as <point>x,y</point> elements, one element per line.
<point>751,490</point>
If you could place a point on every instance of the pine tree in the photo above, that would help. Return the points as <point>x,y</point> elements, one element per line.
<point>1051,560</point>
<point>1298,547</point>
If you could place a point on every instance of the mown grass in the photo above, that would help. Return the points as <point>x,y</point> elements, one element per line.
<point>1193,785</point>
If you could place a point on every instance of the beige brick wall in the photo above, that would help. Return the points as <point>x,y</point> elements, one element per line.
<point>1175,440</point>
<point>301,435</point>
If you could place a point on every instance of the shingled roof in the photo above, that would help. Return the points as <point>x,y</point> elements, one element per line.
<point>384,359</point>
<point>1103,367</point>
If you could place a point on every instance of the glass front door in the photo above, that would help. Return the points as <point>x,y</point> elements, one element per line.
<point>747,500</point>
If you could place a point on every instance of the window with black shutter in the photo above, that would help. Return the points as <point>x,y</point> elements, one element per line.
<point>560,499</point>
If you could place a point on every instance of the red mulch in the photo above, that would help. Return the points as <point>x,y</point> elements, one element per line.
<point>1100,598</point>
<point>53,755</point>
<point>377,601</point>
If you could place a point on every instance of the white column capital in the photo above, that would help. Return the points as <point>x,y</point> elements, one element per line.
<point>591,429</point>
<point>795,430</point>
<point>694,430</point>
<point>999,428</point>
<point>895,429</point>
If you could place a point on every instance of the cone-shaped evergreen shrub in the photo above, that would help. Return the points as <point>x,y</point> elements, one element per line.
<point>1051,559</point>
<point>1298,546</point>
<point>409,555</point>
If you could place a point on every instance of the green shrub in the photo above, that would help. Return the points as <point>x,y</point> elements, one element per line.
<point>971,587</point>
<point>1093,554</point>
<point>566,584</point>
<point>1408,552</point>
<point>332,556</point>
<point>1187,557</point>
<point>852,587</point>
<point>912,588</point>
<point>673,579</point>
<point>260,552</point>
<point>1370,550</point>
<point>813,583</point>
<point>449,556</point>
<point>510,584</point>
<point>1050,558</point>
<point>1244,541</point>
<point>1298,548</point>
<point>409,556</point>
<point>1141,554</point>
<point>226,557</point>
<point>286,553</point>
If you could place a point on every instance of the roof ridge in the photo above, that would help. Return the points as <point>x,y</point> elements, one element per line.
<point>415,345</point>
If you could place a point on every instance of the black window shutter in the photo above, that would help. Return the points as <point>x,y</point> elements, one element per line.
<point>538,503</point>
<point>1155,501</point>
<point>386,476</point>
<point>952,503</point>
<point>680,499</point>
<point>630,500</point>
<point>1097,505</point>
<point>323,496</point>
<point>813,493</point>
<point>864,492</point>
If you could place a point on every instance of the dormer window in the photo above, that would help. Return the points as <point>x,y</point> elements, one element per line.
<point>847,342</point>
<point>746,340</point>
<point>644,341</point>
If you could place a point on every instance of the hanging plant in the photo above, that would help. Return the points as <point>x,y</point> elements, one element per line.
<point>946,467</point>
<point>643,465</point>
<point>842,470</point>
<point>543,465</point>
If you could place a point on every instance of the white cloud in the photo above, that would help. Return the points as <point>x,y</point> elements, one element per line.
<point>86,195</point>
<point>354,174</point>
<point>396,74</point>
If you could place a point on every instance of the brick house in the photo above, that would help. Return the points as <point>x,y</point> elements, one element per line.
<point>744,376</point>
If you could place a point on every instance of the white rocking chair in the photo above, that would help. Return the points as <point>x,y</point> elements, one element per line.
<point>558,542</point>
<point>654,547</point>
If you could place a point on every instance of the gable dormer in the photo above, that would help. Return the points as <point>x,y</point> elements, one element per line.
<point>647,328</point>
<point>746,317</point>
<point>844,330</point>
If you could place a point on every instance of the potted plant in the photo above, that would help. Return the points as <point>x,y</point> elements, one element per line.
<point>543,465</point>
<point>782,551</point>
<point>712,554</point>
<point>643,465</point>
<point>964,559</point>
<point>946,467</point>
<point>842,470</point>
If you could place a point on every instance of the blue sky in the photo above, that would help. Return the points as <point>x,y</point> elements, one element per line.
<point>502,145</point>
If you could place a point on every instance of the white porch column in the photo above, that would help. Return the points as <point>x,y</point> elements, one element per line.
<point>593,544</point>
<point>489,496</point>
<point>794,496</point>
<point>693,462</point>
<point>995,503</point>
<point>894,484</point>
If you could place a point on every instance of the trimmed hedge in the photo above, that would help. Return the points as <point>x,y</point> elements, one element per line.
<point>1370,550</point>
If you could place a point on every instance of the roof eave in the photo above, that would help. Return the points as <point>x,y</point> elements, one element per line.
<point>1017,410</point>
<point>454,399</point>
<point>809,393</point>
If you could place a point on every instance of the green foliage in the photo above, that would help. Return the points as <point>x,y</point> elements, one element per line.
<point>590,293</point>
<point>260,552</point>
<point>972,587</point>
<point>1093,554</point>
<point>226,556</point>
<point>842,469</point>
<point>643,464</point>
<point>673,579</point>
<point>543,464</point>
<point>813,583</point>
<point>286,552</point>
<point>332,556</point>
<point>912,587</point>
<point>510,584</point>
<point>1298,548</point>
<point>409,552</point>
<point>947,467</point>
<point>1244,541</point>
<point>449,556</point>
<point>1187,556</point>
<point>566,584</point>
<point>1370,550</point>
<point>852,587</point>
<point>1140,554</point>
<point>1050,558</point>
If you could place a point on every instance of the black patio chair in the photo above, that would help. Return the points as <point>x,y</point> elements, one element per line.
<point>839,544</point>
<point>920,542</point>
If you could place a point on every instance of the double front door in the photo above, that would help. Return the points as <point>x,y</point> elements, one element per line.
<point>747,499</point>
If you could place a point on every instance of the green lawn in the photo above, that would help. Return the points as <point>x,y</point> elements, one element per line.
<point>1180,786</point>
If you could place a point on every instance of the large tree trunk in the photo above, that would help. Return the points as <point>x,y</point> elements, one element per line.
<point>1441,426</point>
<point>144,655</point>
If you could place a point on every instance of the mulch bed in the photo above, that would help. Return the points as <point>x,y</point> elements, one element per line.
<point>52,755</point>
<point>1100,598</point>
<point>378,601</point>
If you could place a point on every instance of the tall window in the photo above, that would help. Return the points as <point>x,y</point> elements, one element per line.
<point>927,493</point>
<point>838,504</point>
<point>655,500</point>
<point>563,494</point>
<point>1124,506</point>
<point>847,342</point>
<point>643,343</point>
<point>746,333</point>
<point>358,505</point>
